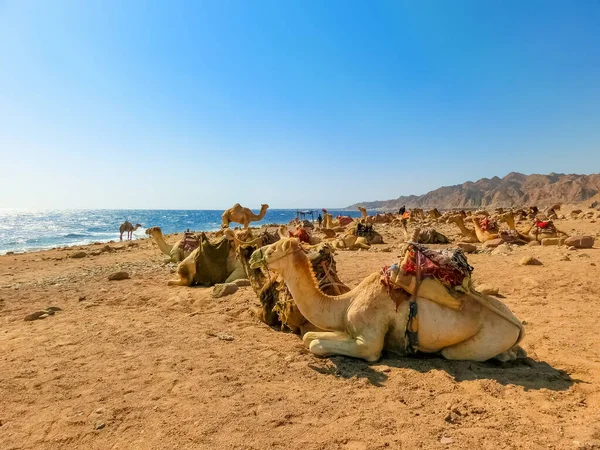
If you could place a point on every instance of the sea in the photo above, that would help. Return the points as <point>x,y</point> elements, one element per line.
<point>30,230</point>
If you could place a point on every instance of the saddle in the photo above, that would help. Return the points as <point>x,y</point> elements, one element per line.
<point>189,243</point>
<point>487,224</point>
<point>443,277</point>
<point>546,227</point>
<point>440,276</point>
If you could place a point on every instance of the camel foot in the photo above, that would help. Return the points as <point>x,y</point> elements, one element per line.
<point>329,343</point>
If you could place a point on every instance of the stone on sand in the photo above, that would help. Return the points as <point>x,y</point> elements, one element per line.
<point>78,255</point>
<point>580,241</point>
<point>467,247</point>
<point>488,290</point>
<point>224,289</point>
<point>530,261</point>
<point>122,275</point>
<point>493,243</point>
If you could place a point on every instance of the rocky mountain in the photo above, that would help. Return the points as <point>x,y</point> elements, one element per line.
<point>514,189</point>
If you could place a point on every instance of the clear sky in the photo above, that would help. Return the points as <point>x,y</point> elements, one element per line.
<point>202,104</point>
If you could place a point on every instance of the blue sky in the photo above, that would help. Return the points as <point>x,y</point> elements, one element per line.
<point>200,105</point>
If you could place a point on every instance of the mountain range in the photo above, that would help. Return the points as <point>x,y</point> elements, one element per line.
<point>515,189</point>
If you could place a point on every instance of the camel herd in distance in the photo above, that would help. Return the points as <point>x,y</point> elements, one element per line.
<point>291,268</point>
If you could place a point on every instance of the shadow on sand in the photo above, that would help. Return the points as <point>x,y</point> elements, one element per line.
<point>530,374</point>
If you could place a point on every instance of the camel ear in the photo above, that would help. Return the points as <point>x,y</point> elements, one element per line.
<point>287,245</point>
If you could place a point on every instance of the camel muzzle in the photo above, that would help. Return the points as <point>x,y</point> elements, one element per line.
<point>257,259</point>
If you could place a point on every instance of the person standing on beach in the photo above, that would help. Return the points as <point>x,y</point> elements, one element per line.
<point>402,210</point>
<point>319,219</point>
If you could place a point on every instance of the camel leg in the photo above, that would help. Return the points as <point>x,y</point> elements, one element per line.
<point>180,282</point>
<point>121,238</point>
<point>338,343</point>
<point>237,274</point>
<point>496,338</point>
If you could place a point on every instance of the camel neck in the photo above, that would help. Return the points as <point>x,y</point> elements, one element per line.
<point>322,310</point>
<point>160,241</point>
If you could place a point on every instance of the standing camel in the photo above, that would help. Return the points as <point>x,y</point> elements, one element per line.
<point>237,213</point>
<point>128,227</point>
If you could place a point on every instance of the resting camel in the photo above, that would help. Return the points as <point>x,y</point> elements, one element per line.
<point>175,252</point>
<point>128,227</point>
<point>237,213</point>
<point>363,322</point>
<point>538,230</point>
<point>212,262</point>
<point>483,235</point>
<point>468,234</point>
<point>428,235</point>
<point>300,233</point>
<point>348,242</point>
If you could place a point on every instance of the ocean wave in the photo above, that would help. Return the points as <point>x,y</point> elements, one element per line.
<point>76,235</point>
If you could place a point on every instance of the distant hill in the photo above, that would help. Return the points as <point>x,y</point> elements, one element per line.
<point>513,190</point>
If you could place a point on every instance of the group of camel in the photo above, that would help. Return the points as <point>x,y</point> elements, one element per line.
<point>360,322</point>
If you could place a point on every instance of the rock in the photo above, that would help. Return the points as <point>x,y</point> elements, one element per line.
<point>580,241</point>
<point>118,276</point>
<point>530,261</point>
<point>242,282</point>
<point>99,425</point>
<point>35,316</point>
<point>53,308</point>
<point>488,290</point>
<point>78,255</point>
<point>565,258</point>
<point>552,241</point>
<point>10,253</point>
<point>533,243</point>
<point>571,248</point>
<point>493,243</point>
<point>446,440</point>
<point>502,249</point>
<point>96,253</point>
<point>43,316</point>
<point>467,247</point>
<point>106,248</point>
<point>223,290</point>
<point>225,337</point>
<point>82,298</point>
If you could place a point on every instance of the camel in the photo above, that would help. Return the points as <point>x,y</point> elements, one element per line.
<point>482,234</point>
<point>417,214</point>
<point>237,213</point>
<point>538,231</point>
<point>212,262</point>
<point>129,228</point>
<point>428,235</point>
<point>175,252</point>
<point>365,216</point>
<point>434,214</point>
<point>348,242</point>
<point>300,233</point>
<point>468,234</point>
<point>366,231</point>
<point>366,320</point>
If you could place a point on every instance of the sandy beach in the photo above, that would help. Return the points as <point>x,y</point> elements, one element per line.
<point>137,364</point>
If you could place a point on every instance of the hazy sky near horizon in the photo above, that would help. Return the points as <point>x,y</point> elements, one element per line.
<point>203,104</point>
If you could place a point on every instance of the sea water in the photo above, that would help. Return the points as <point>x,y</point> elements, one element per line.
<point>29,230</point>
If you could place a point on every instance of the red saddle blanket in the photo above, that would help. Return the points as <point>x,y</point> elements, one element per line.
<point>449,266</point>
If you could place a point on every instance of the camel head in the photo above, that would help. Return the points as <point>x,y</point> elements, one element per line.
<point>264,207</point>
<point>275,254</point>
<point>137,225</point>
<point>153,230</point>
